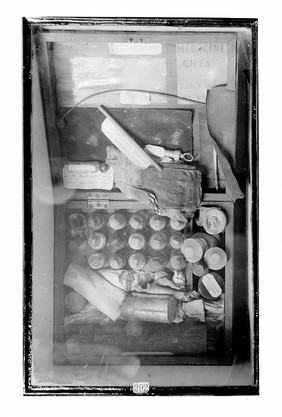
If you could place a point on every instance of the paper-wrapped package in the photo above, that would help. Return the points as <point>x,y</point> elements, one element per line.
<point>96,289</point>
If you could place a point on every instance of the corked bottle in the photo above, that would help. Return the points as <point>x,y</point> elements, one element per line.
<point>118,260</point>
<point>157,222</point>
<point>137,241</point>
<point>194,248</point>
<point>117,221</point>
<point>98,260</point>
<point>137,261</point>
<point>158,241</point>
<point>137,221</point>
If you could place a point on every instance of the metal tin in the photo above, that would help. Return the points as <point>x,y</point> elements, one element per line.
<point>216,288</point>
<point>159,309</point>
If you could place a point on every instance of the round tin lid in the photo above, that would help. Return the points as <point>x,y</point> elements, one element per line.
<point>214,221</point>
<point>192,250</point>
<point>215,258</point>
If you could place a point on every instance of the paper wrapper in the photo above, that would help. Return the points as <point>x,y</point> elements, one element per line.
<point>97,290</point>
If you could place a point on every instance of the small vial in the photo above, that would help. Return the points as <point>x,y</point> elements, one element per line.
<point>137,221</point>
<point>137,241</point>
<point>158,223</point>
<point>117,221</point>
<point>176,240</point>
<point>118,240</point>
<point>137,261</point>
<point>177,261</point>
<point>97,240</point>
<point>158,241</point>
<point>177,225</point>
<point>96,221</point>
<point>117,261</point>
<point>97,260</point>
<point>158,261</point>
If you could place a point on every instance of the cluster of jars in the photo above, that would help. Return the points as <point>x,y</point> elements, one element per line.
<point>118,239</point>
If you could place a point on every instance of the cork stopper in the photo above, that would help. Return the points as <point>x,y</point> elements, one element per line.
<point>117,241</point>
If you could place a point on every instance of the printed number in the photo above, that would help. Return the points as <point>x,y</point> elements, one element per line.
<point>140,387</point>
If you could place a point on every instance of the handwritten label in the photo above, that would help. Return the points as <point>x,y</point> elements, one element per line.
<point>200,66</point>
<point>134,48</point>
<point>141,387</point>
<point>212,285</point>
<point>87,177</point>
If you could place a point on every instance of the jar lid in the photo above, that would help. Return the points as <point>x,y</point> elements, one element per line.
<point>192,250</point>
<point>214,221</point>
<point>215,258</point>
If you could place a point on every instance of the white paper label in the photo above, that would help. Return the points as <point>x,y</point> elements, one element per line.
<point>87,177</point>
<point>135,48</point>
<point>211,285</point>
